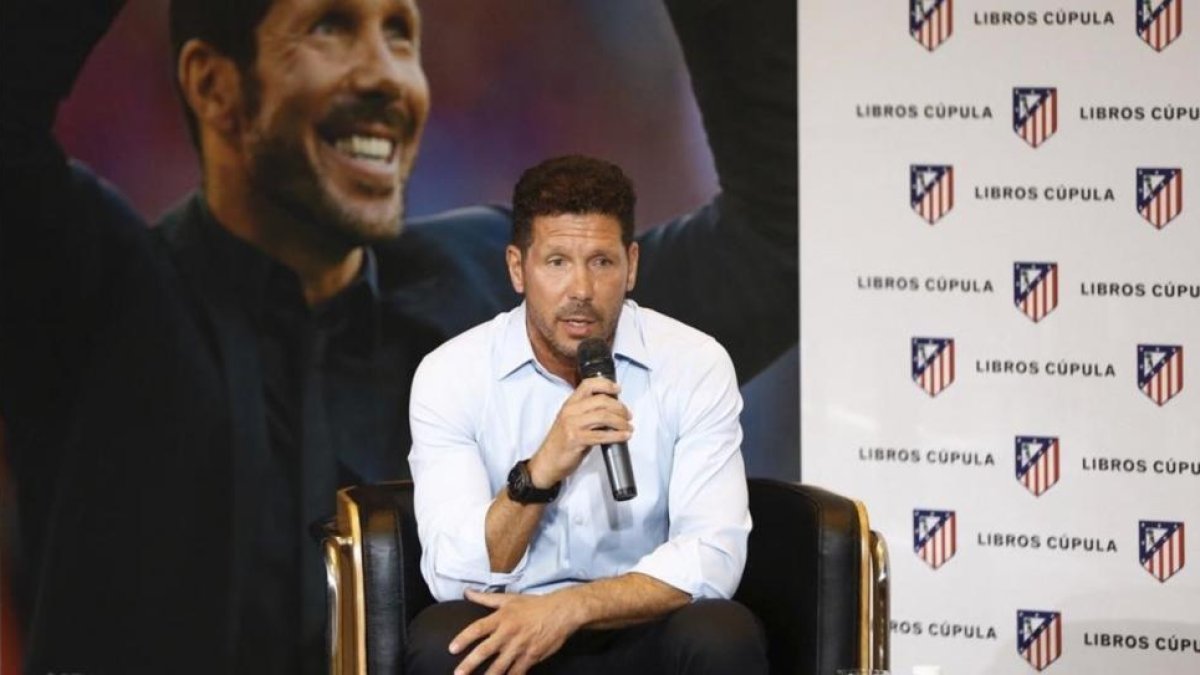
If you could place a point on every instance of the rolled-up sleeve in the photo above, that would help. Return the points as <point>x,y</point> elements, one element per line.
<point>709,508</point>
<point>452,493</point>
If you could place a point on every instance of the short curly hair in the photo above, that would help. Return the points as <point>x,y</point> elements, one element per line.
<point>572,184</point>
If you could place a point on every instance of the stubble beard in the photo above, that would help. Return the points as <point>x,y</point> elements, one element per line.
<point>563,352</point>
<point>280,170</point>
<point>567,351</point>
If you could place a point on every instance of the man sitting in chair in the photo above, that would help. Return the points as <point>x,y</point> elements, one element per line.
<point>515,510</point>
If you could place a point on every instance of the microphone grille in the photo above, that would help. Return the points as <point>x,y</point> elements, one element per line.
<point>593,358</point>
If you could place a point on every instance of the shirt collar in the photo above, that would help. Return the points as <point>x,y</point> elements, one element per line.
<point>515,348</point>
<point>243,267</point>
<point>252,270</point>
<point>516,351</point>
<point>268,286</point>
<point>629,343</point>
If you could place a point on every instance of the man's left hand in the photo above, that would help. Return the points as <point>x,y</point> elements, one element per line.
<point>524,630</point>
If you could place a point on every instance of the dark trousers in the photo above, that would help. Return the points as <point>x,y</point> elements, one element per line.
<point>707,636</point>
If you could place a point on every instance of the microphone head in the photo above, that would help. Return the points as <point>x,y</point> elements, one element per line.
<point>594,359</point>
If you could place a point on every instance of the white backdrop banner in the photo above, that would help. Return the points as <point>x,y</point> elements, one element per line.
<point>1000,320</point>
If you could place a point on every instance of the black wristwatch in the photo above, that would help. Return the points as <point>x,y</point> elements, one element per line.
<point>522,490</point>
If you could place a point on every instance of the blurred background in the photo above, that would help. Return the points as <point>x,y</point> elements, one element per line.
<point>599,77</point>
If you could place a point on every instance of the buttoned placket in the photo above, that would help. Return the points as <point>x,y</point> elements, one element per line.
<point>574,506</point>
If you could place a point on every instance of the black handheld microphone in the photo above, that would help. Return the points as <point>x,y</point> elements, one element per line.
<point>594,359</point>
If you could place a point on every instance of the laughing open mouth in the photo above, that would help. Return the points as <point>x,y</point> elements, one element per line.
<point>366,130</point>
<point>367,154</point>
<point>373,148</point>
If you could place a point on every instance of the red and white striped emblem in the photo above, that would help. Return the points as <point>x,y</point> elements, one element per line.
<point>933,364</point>
<point>1161,548</point>
<point>1039,637</point>
<point>1035,288</point>
<point>1038,465</point>
<point>931,22</point>
<point>1159,195</point>
<point>935,536</point>
<point>1035,113</point>
<point>1160,371</point>
<point>1159,22</point>
<point>931,190</point>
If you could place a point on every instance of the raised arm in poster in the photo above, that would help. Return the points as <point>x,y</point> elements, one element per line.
<point>182,401</point>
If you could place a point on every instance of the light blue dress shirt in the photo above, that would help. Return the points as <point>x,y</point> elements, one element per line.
<point>482,401</point>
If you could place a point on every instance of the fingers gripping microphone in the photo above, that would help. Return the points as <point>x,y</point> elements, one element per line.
<point>594,359</point>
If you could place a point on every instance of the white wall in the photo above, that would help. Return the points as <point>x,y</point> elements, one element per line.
<point>876,275</point>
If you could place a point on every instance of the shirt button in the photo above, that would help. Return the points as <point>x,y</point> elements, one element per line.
<point>578,519</point>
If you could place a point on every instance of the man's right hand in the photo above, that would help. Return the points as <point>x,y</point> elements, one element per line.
<point>591,416</point>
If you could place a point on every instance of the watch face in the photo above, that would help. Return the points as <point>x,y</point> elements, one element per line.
<point>518,478</point>
<point>522,490</point>
<point>519,485</point>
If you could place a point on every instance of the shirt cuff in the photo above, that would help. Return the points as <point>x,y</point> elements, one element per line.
<point>676,563</point>
<point>461,557</point>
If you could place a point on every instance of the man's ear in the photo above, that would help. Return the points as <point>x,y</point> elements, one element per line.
<point>211,85</point>
<point>513,257</point>
<point>631,278</point>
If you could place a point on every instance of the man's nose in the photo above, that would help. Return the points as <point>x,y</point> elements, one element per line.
<point>376,69</point>
<point>581,283</point>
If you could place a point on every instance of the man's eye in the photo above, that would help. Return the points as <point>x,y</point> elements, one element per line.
<point>556,262</point>
<point>332,23</point>
<point>399,29</point>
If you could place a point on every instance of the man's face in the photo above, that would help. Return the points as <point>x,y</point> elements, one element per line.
<point>574,276</point>
<point>335,113</point>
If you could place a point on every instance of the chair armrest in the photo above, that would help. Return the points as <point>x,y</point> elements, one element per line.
<point>803,577</point>
<point>381,518</point>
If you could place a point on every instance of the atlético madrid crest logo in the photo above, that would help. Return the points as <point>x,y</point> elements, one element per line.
<point>1035,288</point>
<point>935,536</point>
<point>1159,22</point>
<point>1039,637</point>
<point>1159,195</point>
<point>930,22</point>
<point>1037,463</point>
<point>1160,371</point>
<point>931,190</point>
<point>1035,113</point>
<point>933,363</point>
<point>1161,547</point>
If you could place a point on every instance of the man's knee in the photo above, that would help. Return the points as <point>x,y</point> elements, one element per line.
<point>428,648</point>
<point>714,636</point>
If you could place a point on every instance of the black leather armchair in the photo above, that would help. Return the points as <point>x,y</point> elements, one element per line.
<point>816,575</point>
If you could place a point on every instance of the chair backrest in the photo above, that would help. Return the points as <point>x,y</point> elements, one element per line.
<point>810,577</point>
